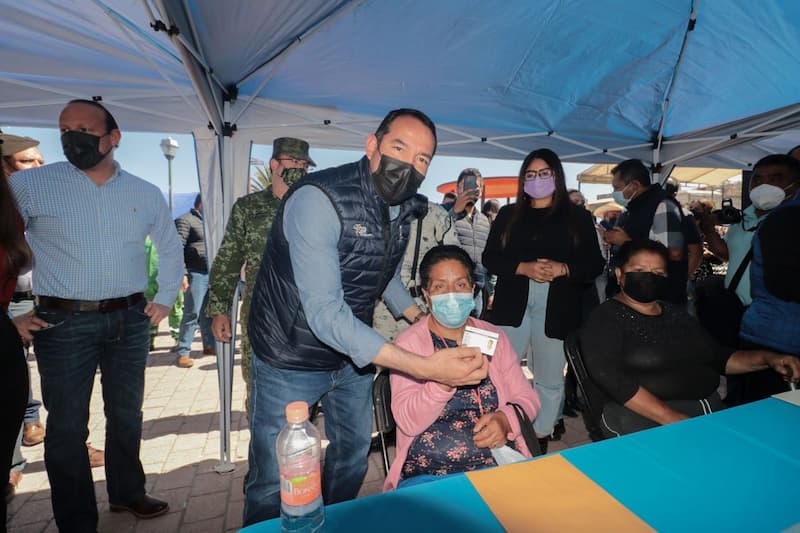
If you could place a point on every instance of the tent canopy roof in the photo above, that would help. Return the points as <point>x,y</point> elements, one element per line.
<point>618,75</point>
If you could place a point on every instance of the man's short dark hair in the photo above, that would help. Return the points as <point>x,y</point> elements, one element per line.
<point>443,252</point>
<point>468,172</point>
<point>632,170</point>
<point>111,123</point>
<point>781,160</point>
<point>197,201</point>
<point>383,128</point>
<point>490,206</point>
<point>793,150</point>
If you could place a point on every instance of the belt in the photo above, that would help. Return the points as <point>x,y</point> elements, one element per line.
<point>21,296</point>
<point>84,306</point>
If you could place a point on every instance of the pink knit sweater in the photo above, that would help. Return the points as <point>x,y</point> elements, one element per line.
<point>417,404</point>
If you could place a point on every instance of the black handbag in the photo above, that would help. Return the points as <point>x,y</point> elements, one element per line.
<point>526,428</point>
<point>719,309</point>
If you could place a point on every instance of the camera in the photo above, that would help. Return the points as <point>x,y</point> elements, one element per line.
<point>727,214</point>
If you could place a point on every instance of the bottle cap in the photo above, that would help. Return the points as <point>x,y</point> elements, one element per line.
<point>297,412</point>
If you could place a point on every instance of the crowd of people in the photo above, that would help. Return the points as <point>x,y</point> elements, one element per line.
<point>350,268</point>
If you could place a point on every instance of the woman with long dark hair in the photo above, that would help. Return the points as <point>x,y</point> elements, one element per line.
<point>544,252</point>
<point>14,255</point>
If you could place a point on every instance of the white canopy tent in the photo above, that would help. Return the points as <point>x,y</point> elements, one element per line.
<point>710,177</point>
<point>709,83</point>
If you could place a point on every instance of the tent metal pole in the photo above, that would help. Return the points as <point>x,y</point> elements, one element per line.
<point>665,104</point>
<point>270,105</point>
<point>509,148</point>
<point>198,74</point>
<point>225,376</point>
<point>589,146</point>
<point>69,94</point>
<point>114,17</point>
<point>775,133</point>
<point>195,36</point>
<point>789,112</point>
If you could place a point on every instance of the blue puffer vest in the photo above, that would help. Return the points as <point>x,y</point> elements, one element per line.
<point>370,247</point>
<point>770,321</point>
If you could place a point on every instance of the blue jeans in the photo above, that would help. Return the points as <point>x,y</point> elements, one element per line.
<point>546,358</point>
<point>68,354</point>
<point>194,307</point>
<point>347,403</point>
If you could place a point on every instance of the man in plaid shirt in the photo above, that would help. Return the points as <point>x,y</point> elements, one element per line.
<point>651,214</point>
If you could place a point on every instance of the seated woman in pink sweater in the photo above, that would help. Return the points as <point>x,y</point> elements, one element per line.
<point>443,430</point>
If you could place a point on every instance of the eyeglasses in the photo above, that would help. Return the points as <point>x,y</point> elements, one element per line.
<point>545,173</point>
<point>297,163</point>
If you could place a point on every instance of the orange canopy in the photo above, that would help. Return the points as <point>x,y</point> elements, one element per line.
<point>497,187</point>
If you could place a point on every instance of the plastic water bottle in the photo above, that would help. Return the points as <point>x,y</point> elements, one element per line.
<point>298,448</point>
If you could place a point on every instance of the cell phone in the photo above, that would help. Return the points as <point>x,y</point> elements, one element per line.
<point>470,182</point>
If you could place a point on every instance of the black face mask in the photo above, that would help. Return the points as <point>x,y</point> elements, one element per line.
<point>290,176</point>
<point>396,181</point>
<point>82,149</point>
<point>644,287</point>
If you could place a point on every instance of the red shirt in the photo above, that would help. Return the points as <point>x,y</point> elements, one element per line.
<point>8,282</point>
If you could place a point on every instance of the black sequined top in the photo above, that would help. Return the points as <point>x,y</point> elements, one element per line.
<point>670,355</point>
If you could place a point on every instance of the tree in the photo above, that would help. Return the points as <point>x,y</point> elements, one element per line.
<point>261,180</point>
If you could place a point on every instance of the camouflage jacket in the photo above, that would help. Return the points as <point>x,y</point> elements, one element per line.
<point>243,244</point>
<point>437,228</point>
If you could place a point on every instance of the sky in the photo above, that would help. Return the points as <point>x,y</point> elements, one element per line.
<point>140,154</point>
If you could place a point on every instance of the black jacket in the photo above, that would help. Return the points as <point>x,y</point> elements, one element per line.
<point>192,234</point>
<point>637,222</point>
<point>567,236</point>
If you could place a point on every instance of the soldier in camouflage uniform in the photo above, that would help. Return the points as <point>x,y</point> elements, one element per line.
<point>436,230</point>
<point>244,241</point>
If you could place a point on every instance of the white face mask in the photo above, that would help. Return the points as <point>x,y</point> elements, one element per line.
<point>766,197</point>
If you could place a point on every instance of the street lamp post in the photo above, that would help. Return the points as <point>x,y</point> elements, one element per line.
<point>170,147</point>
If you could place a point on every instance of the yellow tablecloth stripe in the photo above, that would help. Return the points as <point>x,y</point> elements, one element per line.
<point>550,494</point>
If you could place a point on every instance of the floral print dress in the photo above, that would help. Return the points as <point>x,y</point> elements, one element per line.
<point>446,447</point>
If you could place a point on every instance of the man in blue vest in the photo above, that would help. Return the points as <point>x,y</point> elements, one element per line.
<point>334,249</point>
<point>772,321</point>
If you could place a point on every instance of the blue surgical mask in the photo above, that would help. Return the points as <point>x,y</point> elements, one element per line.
<point>619,198</point>
<point>452,309</point>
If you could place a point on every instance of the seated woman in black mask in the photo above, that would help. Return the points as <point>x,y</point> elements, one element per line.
<point>656,363</point>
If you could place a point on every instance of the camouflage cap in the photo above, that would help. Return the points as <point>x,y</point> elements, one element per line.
<point>12,144</point>
<point>297,148</point>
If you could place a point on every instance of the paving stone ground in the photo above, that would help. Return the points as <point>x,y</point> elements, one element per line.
<point>180,447</point>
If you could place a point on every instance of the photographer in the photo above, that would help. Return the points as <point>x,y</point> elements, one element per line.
<point>734,247</point>
<point>720,303</point>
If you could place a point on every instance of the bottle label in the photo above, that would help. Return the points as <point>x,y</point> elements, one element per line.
<point>301,489</point>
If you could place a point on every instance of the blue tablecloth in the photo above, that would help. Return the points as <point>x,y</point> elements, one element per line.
<point>449,505</point>
<point>736,470</point>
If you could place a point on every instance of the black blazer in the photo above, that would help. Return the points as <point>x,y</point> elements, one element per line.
<point>568,236</point>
